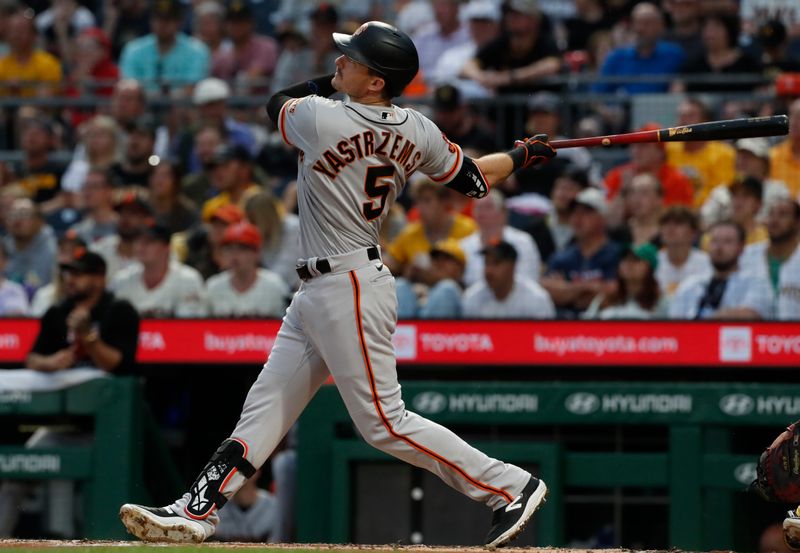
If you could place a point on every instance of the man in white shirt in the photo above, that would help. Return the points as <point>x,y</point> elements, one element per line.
<point>117,249</point>
<point>505,294</point>
<point>483,18</point>
<point>729,293</point>
<point>245,290</point>
<point>679,259</point>
<point>778,259</point>
<point>158,286</point>
<point>448,33</point>
<point>492,218</point>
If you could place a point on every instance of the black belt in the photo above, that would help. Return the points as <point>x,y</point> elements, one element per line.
<point>323,266</point>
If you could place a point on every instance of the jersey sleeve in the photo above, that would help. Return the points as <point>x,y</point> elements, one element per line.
<point>443,158</point>
<point>297,122</point>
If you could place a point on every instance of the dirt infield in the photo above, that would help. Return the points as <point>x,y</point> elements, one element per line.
<point>71,545</point>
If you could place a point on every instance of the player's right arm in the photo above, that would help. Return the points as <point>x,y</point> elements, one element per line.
<point>532,151</point>
<point>320,86</point>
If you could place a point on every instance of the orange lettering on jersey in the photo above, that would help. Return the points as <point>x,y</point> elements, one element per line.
<point>335,162</point>
<point>356,140</point>
<point>346,150</point>
<point>398,138</point>
<point>405,152</point>
<point>381,150</point>
<point>320,167</point>
<point>369,143</point>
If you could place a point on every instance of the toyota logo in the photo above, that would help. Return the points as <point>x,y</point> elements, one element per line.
<point>745,473</point>
<point>430,402</point>
<point>582,403</point>
<point>737,405</point>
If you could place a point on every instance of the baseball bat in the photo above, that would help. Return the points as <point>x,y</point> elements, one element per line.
<point>776,125</point>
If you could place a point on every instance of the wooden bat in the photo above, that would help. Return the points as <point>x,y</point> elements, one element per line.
<point>777,125</point>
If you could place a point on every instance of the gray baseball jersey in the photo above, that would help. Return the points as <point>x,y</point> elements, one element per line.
<point>354,160</point>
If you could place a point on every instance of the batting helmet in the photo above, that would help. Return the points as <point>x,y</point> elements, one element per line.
<point>384,49</point>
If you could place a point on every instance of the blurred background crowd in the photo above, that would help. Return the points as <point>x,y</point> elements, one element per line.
<point>137,130</point>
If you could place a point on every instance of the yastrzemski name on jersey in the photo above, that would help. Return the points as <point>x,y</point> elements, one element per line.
<point>354,161</point>
<point>390,144</point>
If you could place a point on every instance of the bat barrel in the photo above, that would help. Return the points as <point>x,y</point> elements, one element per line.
<point>731,129</point>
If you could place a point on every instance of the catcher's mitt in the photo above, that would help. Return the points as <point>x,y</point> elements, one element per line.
<point>778,470</point>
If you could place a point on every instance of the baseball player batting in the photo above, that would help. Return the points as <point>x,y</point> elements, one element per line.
<point>355,157</point>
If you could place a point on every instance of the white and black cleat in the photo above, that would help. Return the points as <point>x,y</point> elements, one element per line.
<point>161,524</point>
<point>791,529</point>
<point>509,521</point>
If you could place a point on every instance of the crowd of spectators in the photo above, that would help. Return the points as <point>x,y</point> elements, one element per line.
<point>174,176</point>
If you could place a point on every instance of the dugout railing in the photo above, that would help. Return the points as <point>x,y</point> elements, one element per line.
<point>698,467</point>
<point>111,467</point>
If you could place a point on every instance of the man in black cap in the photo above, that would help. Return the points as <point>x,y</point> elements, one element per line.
<point>137,165</point>
<point>457,121</point>
<point>90,327</point>
<point>503,293</point>
<point>544,114</point>
<point>165,58</point>
<point>159,286</point>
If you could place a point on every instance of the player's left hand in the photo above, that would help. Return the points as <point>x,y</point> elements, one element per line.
<point>538,150</point>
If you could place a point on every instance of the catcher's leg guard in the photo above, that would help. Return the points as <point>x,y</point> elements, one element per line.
<point>206,492</point>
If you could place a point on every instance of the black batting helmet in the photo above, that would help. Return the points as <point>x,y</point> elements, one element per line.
<point>384,49</point>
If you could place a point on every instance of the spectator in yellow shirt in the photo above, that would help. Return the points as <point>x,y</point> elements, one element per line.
<point>409,254</point>
<point>26,70</point>
<point>785,157</point>
<point>707,164</point>
<point>232,176</point>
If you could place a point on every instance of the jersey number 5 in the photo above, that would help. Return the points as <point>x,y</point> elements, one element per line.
<point>377,184</point>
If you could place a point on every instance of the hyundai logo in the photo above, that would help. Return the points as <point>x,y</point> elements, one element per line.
<point>745,473</point>
<point>430,402</point>
<point>737,405</point>
<point>582,403</point>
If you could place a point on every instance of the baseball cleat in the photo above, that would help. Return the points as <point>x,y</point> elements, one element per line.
<point>162,525</point>
<point>509,521</point>
<point>791,529</point>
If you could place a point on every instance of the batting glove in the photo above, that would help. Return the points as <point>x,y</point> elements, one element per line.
<point>537,150</point>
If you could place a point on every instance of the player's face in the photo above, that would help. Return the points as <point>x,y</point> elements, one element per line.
<point>354,79</point>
